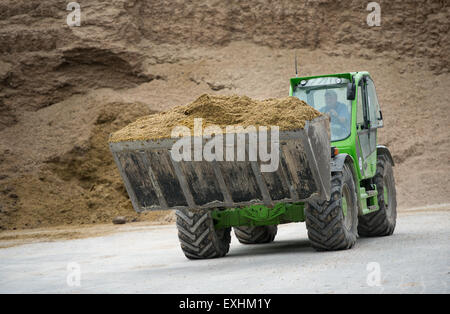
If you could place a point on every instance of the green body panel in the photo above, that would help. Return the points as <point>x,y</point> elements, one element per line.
<point>259,215</point>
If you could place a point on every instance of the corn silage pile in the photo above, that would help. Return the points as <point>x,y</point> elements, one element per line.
<point>288,113</point>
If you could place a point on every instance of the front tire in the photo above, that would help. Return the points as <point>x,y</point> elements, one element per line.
<point>333,225</point>
<point>198,237</point>
<point>382,222</point>
<point>255,235</point>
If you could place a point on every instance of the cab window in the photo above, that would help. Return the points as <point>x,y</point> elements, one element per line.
<point>359,111</point>
<point>374,106</point>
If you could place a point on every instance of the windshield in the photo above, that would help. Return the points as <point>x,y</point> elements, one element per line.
<point>331,100</point>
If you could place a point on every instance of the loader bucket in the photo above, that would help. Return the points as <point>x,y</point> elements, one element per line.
<point>154,181</point>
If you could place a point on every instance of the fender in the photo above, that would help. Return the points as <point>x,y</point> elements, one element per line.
<point>383,150</point>
<point>337,163</point>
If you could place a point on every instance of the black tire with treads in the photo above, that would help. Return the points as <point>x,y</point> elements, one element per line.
<point>255,235</point>
<point>382,222</point>
<point>326,223</point>
<point>198,237</point>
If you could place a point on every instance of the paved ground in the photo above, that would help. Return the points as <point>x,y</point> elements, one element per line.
<point>416,259</point>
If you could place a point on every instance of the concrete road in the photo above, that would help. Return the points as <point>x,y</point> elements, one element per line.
<point>414,260</point>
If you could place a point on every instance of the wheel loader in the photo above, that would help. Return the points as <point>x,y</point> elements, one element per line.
<point>332,175</point>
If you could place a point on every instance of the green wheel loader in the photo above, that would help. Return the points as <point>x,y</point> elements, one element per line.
<point>332,175</point>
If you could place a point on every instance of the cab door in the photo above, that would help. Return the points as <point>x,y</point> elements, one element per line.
<point>367,122</point>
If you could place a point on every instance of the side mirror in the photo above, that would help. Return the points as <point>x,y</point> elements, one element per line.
<point>351,91</point>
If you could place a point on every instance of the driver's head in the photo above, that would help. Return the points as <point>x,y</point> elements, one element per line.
<point>330,98</point>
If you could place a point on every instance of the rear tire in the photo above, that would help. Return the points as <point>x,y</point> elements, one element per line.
<point>198,237</point>
<point>382,222</point>
<point>328,228</point>
<point>255,235</point>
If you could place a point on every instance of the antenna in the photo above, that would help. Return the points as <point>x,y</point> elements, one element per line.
<point>296,69</point>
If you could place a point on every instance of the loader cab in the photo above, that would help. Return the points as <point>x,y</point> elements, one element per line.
<point>355,133</point>
<point>329,96</point>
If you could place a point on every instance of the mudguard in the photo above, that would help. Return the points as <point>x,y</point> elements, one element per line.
<point>383,150</point>
<point>337,163</point>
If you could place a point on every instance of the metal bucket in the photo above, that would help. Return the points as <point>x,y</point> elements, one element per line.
<point>154,181</point>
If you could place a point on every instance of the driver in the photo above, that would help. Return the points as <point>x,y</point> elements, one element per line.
<point>338,111</point>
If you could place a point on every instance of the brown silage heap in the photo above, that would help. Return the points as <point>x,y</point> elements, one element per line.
<point>288,113</point>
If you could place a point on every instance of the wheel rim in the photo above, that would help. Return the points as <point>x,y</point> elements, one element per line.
<point>386,193</point>
<point>344,205</point>
<point>346,201</point>
<point>386,198</point>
